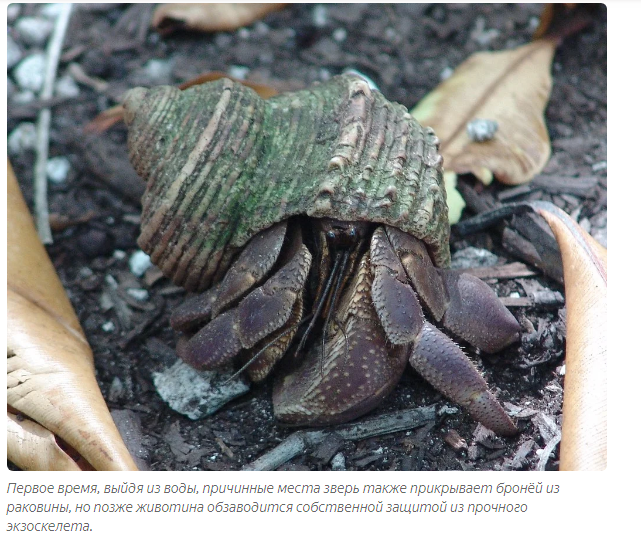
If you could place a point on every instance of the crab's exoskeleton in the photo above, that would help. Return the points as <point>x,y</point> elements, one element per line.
<point>316,223</point>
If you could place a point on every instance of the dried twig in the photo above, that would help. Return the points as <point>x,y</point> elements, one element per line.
<point>295,444</point>
<point>44,121</point>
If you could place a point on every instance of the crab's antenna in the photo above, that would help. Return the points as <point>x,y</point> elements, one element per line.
<point>272,342</point>
<point>319,309</point>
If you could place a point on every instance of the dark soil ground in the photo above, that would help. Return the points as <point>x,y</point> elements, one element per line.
<point>404,48</point>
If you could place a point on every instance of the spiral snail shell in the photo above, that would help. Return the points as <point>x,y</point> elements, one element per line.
<point>221,164</point>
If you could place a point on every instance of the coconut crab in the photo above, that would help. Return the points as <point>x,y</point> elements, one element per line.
<point>319,218</point>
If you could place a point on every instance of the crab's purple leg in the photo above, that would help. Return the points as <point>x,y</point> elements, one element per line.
<point>394,299</point>
<point>476,314</point>
<point>355,372</point>
<point>251,266</point>
<point>442,363</point>
<point>435,356</point>
<point>418,266</point>
<point>272,348</point>
<point>262,312</point>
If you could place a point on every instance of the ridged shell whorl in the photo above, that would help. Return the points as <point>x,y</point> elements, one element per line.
<point>222,164</point>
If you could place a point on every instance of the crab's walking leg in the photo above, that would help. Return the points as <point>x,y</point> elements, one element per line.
<point>435,356</point>
<point>358,369</point>
<point>394,299</point>
<point>441,362</point>
<point>251,266</point>
<point>259,314</point>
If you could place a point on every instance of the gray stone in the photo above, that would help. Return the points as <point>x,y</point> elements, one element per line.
<point>30,73</point>
<point>196,394</point>
<point>14,53</point>
<point>22,138</point>
<point>139,263</point>
<point>473,257</point>
<point>58,169</point>
<point>33,30</point>
<point>67,87</point>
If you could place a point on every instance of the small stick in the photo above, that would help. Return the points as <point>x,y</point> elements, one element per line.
<point>44,122</point>
<point>298,442</point>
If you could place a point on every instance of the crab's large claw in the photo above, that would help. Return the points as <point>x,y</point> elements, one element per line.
<point>262,313</point>
<point>464,304</point>
<point>441,362</point>
<point>476,314</point>
<point>348,375</point>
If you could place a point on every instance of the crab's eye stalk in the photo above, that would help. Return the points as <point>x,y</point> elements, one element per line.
<point>331,235</point>
<point>352,232</point>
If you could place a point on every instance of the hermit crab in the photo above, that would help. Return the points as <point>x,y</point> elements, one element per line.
<point>315,225</point>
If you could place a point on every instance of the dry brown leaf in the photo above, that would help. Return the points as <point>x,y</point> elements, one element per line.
<point>558,21</point>
<point>263,91</point>
<point>50,373</point>
<point>108,118</point>
<point>584,441</point>
<point>509,87</point>
<point>209,17</point>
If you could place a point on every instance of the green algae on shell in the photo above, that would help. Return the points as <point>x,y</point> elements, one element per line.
<point>221,164</point>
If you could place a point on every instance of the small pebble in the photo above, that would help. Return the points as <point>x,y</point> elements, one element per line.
<point>481,36</point>
<point>51,11</point>
<point>22,138</point>
<point>108,327</point>
<point>481,130</point>
<point>139,294</point>
<point>261,28</point>
<point>446,73</point>
<point>339,35</point>
<point>243,33</point>
<point>33,30</point>
<point>30,72</point>
<point>447,410</point>
<point>14,53</point>
<point>338,462</point>
<point>599,166</point>
<point>238,72</point>
<point>67,87</point>
<point>324,74</point>
<point>57,170</point>
<point>319,15</point>
<point>139,263</point>
<point>473,257</point>
<point>106,302</point>
<point>23,97</point>
<point>85,272</point>
<point>158,70</point>
<point>119,254</point>
<point>116,389</point>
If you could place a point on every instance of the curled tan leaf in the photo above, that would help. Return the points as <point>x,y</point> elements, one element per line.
<point>208,17</point>
<point>584,440</point>
<point>50,373</point>
<point>32,447</point>
<point>511,88</point>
